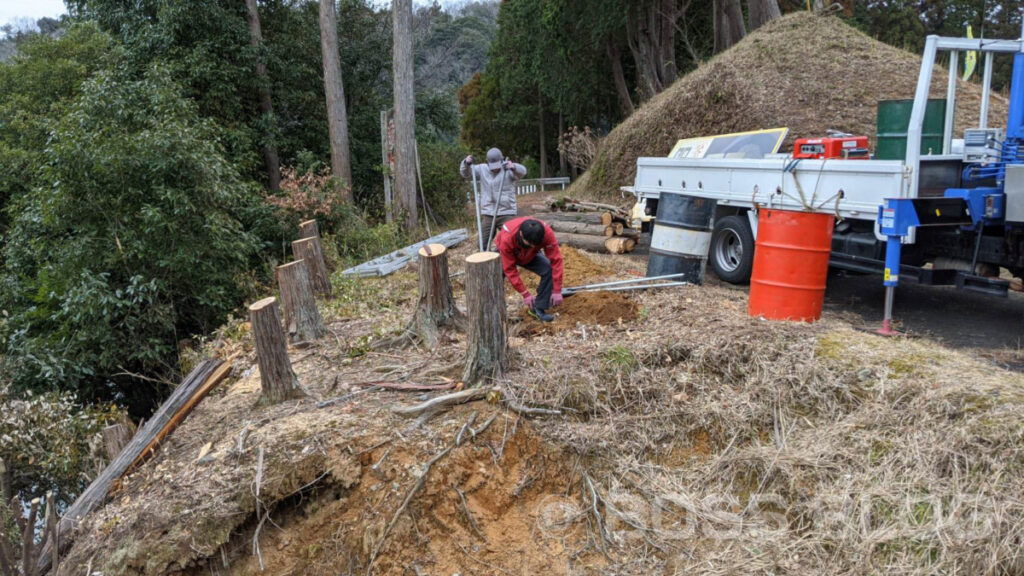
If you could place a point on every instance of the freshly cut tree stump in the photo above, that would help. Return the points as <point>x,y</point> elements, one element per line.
<point>301,318</point>
<point>577,228</point>
<point>309,229</point>
<point>436,308</point>
<point>308,249</point>
<point>277,379</point>
<point>487,340</point>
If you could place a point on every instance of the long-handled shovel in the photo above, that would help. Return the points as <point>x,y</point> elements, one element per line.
<point>476,203</point>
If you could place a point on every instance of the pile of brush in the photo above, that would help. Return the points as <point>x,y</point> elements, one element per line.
<point>591,226</point>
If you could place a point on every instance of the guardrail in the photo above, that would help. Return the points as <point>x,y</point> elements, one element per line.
<point>540,185</point>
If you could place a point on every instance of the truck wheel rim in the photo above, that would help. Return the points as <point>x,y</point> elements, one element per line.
<point>729,250</point>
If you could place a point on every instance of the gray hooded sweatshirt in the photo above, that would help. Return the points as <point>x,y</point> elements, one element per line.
<point>493,187</point>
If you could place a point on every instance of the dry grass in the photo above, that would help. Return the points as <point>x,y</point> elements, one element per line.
<point>694,439</point>
<point>805,72</point>
<point>732,445</point>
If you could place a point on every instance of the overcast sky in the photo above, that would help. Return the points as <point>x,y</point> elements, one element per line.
<point>12,11</point>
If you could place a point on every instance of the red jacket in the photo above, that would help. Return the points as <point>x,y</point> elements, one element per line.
<point>512,254</point>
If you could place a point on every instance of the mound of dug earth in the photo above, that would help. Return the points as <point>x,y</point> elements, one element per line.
<point>805,72</point>
<point>588,308</point>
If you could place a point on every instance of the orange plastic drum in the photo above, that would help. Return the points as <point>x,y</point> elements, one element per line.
<point>790,265</point>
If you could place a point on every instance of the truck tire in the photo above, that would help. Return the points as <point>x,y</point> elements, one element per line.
<point>732,249</point>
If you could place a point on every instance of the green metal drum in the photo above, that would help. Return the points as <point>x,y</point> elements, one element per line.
<point>893,120</point>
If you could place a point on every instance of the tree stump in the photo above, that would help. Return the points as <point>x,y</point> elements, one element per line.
<point>301,318</point>
<point>436,308</point>
<point>116,437</point>
<point>308,249</point>
<point>277,380</point>
<point>487,341</point>
<point>309,229</point>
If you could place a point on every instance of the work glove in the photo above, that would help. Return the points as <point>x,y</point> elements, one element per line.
<point>509,165</point>
<point>468,160</point>
<point>528,299</point>
<point>556,299</point>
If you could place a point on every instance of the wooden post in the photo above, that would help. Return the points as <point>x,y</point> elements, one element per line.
<point>487,341</point>
<point>277,379</point>
<point>309,229</point>
<point>309,249</point>
<point>301,318</point>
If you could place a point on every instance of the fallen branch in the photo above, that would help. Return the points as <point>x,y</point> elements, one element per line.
<point>531,411</point>
<point>409,386</point>
<point>434,404</point>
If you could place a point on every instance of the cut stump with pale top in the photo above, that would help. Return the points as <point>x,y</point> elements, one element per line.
<point>277,379</point>
<point>302,320</point>
<point>487,339</point>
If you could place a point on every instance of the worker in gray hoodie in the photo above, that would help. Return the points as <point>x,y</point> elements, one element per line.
<point>496,183</point>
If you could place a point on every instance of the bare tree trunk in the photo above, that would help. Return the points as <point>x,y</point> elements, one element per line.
<point>270,158</point>
<point>621,89</point>
<point>301,318</point>
<point>309,229</point>
<point>634,33</point>
<point>308,249</point>
<point>405,114</point>
<point>669,16</point>
<point>334,90</point>
<point>729,27</point>
<point>762,12</point>
<point>277,379</point>
<point>562,168</point>
<point>540,126</point>
<point>487,341</point>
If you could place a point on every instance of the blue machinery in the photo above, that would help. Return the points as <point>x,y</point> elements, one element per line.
<point>988,161</point>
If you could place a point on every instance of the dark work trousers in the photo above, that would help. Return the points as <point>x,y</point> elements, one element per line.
<point>485,223</point>
<point>541,266</point>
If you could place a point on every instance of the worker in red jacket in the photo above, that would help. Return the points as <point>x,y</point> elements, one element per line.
<point>530,243</point>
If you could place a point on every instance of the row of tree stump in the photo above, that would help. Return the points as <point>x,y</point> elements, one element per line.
<point>301,281</point>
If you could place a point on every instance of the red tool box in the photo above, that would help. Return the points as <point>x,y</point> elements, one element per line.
<point>845,147</point>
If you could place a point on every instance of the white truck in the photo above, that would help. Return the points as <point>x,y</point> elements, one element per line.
<point>979,192</point>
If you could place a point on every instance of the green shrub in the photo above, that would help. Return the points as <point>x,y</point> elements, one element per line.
<point>133,244</point>
<point>45,442</point>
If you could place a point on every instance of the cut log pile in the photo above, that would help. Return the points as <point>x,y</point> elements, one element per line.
<point>591,226</point>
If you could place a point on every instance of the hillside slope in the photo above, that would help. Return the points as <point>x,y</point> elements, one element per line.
<point>805,72</point>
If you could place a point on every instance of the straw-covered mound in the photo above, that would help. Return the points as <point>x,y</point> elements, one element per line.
<point>805,72</point>
<point>691,439</point>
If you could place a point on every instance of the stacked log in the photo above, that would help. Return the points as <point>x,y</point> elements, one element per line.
<point>591,226</point>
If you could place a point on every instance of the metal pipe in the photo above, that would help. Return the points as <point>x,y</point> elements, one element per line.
<point>628,288</point>
<point>476,202</point>
<point>947,129</point>
<point>986,89</point>
<point>630,281</point>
